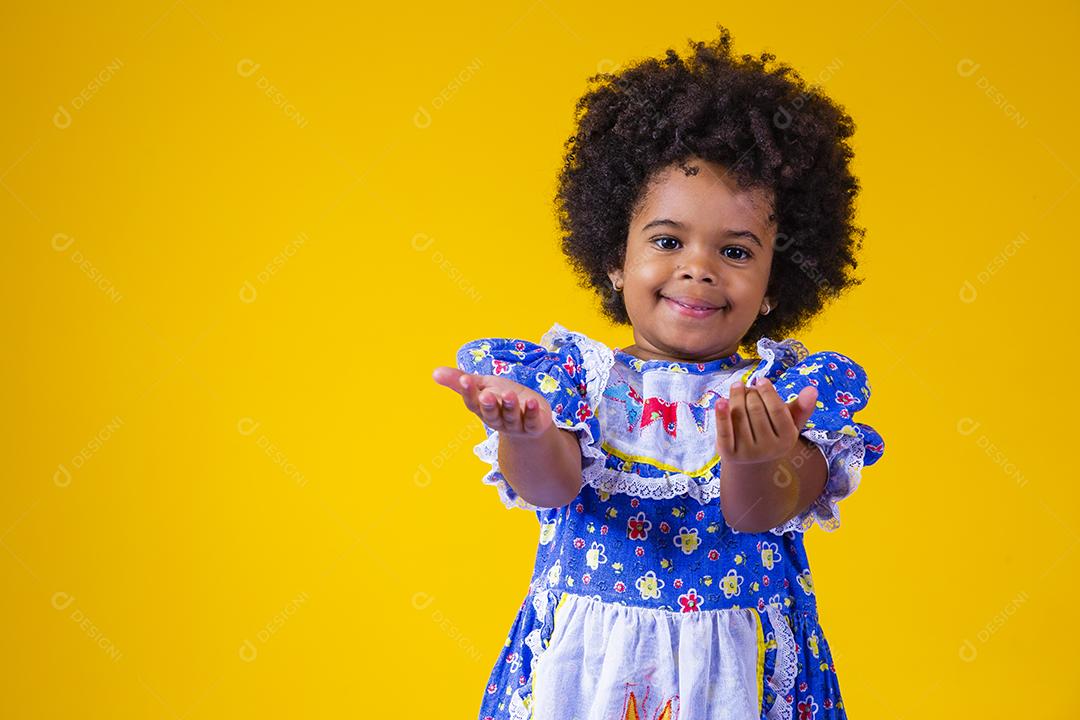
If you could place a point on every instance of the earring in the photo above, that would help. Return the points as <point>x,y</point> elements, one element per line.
<point>767,309</point>
<point>617,288</point>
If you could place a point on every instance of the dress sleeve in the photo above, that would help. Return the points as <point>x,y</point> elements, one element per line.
<point>565,370</point>
<point>847,445</point>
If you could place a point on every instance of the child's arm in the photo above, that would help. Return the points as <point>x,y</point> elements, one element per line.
<point>541,462</point>
<point>769,473</point>
<point>544,471</point>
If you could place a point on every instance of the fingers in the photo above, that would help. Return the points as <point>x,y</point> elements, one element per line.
<point>725,436</point>
<point>740,420</point>
<point>500,404</point>
<point>778,412</point>
<point>511,412</point>
<point>804,406</point>
<point>448,377</point>
<point>531,420</point>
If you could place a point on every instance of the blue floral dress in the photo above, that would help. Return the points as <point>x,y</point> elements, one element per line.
<point>644,602</point>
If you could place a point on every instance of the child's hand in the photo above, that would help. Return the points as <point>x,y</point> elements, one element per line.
<point>754,425</point>
<point>503,405</point>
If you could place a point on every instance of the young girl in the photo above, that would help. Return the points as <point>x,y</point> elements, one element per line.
<point>709,202</point>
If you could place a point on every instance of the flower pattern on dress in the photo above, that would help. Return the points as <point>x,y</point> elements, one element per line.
<point>646,531</point>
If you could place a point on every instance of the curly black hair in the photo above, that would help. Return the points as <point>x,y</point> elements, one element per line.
<point>762,123</point>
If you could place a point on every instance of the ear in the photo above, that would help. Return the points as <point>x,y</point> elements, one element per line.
<point>616,276</point>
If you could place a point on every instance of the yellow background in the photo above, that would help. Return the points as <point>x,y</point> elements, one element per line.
<point>233,489</point>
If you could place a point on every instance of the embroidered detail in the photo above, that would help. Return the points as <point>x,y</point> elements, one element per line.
<point>630,707</point>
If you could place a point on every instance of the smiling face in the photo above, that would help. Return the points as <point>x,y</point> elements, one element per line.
<point>696,241</point>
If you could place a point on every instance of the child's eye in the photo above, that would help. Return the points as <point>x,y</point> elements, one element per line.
<point>745,255</point>
<point>666,237</point>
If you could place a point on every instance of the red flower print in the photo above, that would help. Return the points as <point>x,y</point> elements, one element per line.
<point>499,367</point>
<point>637,527</point>
<point>691,601</point>
<point>634,502</point>
<point>584,412</point>
<point>850,373</point>
<point>519,345</point>
<point>620,586</point>
<point>579,543</point>
<point>761,604</point>
<point>678,583</point>
<point>603,529</point>
<point>579,507</point>
<point>844,413</point>
<point>786,584</point>
<point>639,551</point>
<point>492,688</point>
<point>570,366</point>
<point>812,381</point>
<point>558,408</point>
<point>807,708</point>
<point>510,657</point>
<point>713,555</point>
<point>664,527</point>
<point>827,702</point>
<point>831,365</point>
<point>700,515</point>
<point>765,580</point>
<point>586,578</point>
<point>803,686</point>
<point>845,398</point>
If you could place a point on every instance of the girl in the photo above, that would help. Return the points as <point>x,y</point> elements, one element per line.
<point>709,203</point>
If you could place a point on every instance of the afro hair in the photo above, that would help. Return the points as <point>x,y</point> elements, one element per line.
<point>761,122</point>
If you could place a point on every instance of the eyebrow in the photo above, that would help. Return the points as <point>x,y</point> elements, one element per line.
<point>683,226</point>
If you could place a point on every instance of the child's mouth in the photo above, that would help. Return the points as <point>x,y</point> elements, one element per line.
<point>690,310</point>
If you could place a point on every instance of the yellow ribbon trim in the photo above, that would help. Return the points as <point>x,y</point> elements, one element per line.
<point>701,472</point>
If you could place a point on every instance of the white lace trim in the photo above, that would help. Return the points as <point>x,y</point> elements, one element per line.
<point>786,668</point>
<point>538,639</point>
<point>844,454</point>
<point>597,360</point>
<point>789,352</point>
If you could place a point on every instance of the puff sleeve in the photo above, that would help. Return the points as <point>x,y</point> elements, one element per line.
<point>566,369</point>
<point>847,445</point>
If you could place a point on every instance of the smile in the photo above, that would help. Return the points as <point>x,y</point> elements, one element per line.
<point>690,311</point>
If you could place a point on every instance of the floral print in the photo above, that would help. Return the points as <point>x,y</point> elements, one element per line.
<point>646,531</point>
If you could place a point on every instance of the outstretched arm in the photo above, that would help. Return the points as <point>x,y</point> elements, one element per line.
<point>540,461</point>
<point>769,473</point>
